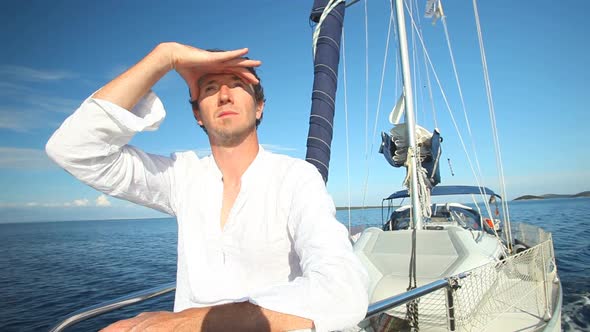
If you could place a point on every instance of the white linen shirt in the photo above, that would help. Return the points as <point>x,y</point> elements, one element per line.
<point>281,248</point>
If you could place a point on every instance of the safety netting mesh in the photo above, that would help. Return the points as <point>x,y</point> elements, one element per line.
<point>519,284</point>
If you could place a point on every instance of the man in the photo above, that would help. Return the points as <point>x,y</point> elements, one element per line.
<point>259,247</point>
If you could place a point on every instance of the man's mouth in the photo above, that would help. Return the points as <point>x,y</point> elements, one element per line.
<point>226,113</point>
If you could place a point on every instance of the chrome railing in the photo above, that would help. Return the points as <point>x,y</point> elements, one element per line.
<point>117,303</point>
<point>394,301</point>
<point>416,293</point>
<point>136,297</point>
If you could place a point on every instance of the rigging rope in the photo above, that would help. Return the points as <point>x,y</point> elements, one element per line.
<point>488,89</point>
<point>424,193</point>
<point>493,121</point>
<point>443,94</point>
<point>416,71</point>
<point>412,306</point>
<point>366,182</point>
<point>460,91</point>
<point>423,187</point>
<point>346,126</point>
<point>428,83</point>
<point>366,83</point>
<point>477,176</point>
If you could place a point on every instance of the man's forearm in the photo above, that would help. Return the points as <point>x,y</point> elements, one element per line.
<point>128,88</point>
<point>242,316</point>
<point>246,316</point>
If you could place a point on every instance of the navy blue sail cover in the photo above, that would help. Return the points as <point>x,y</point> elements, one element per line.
<point>327,57</point>
<point>431,163</point>
<point>388,148</point>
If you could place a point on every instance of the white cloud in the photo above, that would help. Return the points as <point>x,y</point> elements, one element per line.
<point>15,89</point>
<point>25,105</point>
<point>24,158</point>
<point>81,202</point>
<point>102,200</point>
<point>15,205</point>
<point>277,148</point>
<point>22,73</point>
<point>53,104</point>
<point>16,120</point>
<point>25,118</point>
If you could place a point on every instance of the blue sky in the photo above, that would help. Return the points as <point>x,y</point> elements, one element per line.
<point>55,54</point>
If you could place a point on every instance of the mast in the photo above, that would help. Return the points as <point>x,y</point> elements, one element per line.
<point>410,117</point>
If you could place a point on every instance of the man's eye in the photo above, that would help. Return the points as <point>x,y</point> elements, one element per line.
<point>210,88</point>
<point>238,84</point>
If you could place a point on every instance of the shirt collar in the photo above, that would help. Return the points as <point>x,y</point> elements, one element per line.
<point>250,172</point>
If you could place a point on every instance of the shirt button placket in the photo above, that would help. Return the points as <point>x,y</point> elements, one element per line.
<point>226,246</point>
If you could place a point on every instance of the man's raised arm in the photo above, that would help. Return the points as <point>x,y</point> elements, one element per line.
<point>190,62</point>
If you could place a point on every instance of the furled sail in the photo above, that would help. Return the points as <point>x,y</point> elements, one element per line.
<point>394,148</point>
<point>326,59</point>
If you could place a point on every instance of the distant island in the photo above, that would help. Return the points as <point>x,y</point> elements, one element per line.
<point>549,196</point>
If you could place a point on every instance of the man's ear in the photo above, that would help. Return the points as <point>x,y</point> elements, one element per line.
<point>197,115</point>
<point>259,109</point>
<point>193,91</point>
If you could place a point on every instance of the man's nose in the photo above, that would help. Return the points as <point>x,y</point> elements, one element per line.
<point>225,95</point>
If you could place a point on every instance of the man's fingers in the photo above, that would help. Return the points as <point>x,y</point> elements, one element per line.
<point>216,63</point>
<point>244,74</point>
<point>228,55</point>
<point>192,75</point>
<point>241,62</point>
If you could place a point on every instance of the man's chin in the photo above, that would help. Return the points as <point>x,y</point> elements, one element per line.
<point>230,138</point>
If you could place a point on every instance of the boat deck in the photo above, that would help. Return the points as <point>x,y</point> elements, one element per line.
<point>520,293</point>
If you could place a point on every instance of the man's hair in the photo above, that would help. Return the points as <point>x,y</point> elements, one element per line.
<point>258,91</point>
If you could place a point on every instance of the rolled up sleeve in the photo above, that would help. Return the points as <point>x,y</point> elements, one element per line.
<point>92,145</point>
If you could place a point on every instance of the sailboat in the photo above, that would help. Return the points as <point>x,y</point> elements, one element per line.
<point>433,266</point>
<point>442,266</point>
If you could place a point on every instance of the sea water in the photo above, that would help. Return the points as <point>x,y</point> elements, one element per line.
<point>48,270</point>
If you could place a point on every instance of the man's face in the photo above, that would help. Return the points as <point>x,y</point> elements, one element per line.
<point>227,108</point>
